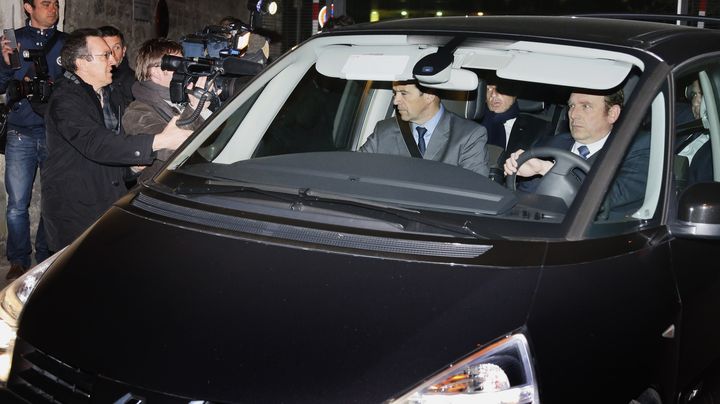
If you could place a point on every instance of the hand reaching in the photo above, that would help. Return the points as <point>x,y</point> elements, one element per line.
<point>171,137</point>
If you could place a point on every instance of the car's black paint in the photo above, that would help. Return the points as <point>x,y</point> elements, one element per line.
<point>331,326</point>
<point>158,304</point>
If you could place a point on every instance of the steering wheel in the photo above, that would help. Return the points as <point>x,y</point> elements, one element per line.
<point>560,181</point>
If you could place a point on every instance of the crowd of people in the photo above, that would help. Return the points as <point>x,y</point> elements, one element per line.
<point>105,126</point>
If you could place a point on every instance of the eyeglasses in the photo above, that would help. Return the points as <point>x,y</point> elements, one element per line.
<point>105,55</point>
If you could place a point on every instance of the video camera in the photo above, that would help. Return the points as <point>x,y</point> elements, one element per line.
<point>39,88</point>
<point>222,53</point>
<point>221,74</point>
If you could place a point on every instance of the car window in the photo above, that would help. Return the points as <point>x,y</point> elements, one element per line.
<point>632,198</point>
<point>318,116</point>
<point>216,142</point>
<point>693,157</point>
<point>298,129</point>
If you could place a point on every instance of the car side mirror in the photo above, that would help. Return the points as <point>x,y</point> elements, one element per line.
<point>698,213</point>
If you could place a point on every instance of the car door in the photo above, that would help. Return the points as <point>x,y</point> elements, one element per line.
<point>695,251</point>
<point>607,307</point>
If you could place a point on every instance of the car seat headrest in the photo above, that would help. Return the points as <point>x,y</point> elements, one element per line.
<point>530,106</point>
<point>467,104</point>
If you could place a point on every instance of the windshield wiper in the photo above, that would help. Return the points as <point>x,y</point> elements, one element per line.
<point>225,187</point>
<point>408,214</point>
<point>312,197</point>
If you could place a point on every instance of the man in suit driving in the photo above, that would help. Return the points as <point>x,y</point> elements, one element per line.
<point>440,134</point>
<point>591,118</point>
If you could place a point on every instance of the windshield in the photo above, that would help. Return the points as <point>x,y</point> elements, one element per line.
<point>326,123</point>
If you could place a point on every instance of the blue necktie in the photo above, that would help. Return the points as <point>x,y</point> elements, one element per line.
<point>584,151</point>
<point>421,139</point>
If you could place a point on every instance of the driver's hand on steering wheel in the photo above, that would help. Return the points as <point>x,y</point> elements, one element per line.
<point>531,167</point>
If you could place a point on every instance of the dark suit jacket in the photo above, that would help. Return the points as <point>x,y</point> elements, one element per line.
<point>627,191</point>
<point>456,141</point>
<point>124,78</point>
<point>526,132</point>
<point>701,168</point>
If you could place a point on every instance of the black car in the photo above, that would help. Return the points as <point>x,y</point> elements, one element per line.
<point>271,261</point>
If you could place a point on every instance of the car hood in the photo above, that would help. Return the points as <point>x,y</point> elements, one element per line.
<point>191,312</point>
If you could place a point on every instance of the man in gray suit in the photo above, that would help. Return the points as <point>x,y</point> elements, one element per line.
<point>444,137</point>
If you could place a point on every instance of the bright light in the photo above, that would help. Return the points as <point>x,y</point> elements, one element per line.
<point>262,6</point>
<point>322,16</point>
<point>374,16</point>
<point>438,13</point>
<point>480,13</point>
<point>5,366</point>
<point>8,334</point>
<point>482,377</point>
<point>404,13</point>
<point>272,8</point>
<point>12,300</point>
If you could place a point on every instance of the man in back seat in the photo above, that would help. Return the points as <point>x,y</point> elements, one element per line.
<point>697,146</point>
<point>439,134</point>
<point>507,128</point>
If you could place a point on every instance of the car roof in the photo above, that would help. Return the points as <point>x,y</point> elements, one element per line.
<point>670,42</point>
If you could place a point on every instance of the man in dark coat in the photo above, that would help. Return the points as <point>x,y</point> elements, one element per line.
<point>508,129</point>
<point>123,75</point>
<point>88,153</point>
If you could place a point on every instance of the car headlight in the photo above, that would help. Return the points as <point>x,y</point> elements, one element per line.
<point>12,300</point>
<point>501,372</point>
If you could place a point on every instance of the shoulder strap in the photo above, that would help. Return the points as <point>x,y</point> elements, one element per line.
<point>164,115</point>
<point>51,42</point>
<point>48,48</point>
<point>408,137</point>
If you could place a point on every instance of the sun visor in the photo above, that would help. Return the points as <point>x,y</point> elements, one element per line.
<point>596,74</point>
<point>554,64</point>
<point>383,63</point>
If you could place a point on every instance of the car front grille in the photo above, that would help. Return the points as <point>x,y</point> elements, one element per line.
<point>40,378</point>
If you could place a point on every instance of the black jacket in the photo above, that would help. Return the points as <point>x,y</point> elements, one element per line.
<point>123,80</point>
<point>86,164</point>
<point>627,191</point>
<point>526,132</point>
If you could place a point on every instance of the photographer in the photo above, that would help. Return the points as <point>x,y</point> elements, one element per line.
<point>152,109</point>
<point>25,150</point>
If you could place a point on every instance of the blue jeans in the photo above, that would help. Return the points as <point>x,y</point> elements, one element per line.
<point>25,151</point>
